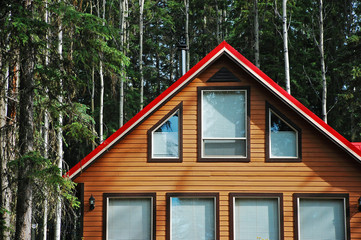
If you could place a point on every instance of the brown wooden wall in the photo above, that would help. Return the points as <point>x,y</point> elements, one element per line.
<point>325,168</point>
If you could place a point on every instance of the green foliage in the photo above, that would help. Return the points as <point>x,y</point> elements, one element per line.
<point>45,175</point>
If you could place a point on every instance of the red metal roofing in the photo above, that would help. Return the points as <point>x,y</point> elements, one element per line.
<point>223,48</point>
<point>357,145</point>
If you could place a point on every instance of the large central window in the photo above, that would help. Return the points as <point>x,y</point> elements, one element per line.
<point>223,127</point>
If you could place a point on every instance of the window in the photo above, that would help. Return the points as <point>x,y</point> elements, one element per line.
<point>321,216</point>
<point>256,216</point>
<point>192,216</point>
<point>223,124</point>
<point>283,138</point>
<point>164,138</point>
<point>129,216</point>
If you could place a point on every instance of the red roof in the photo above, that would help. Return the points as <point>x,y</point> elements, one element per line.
<point>354,149</point>
<point>357,145</point>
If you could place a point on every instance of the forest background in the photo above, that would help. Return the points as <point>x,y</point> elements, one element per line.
<point>73,71</point>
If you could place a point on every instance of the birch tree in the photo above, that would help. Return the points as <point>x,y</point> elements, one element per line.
<point>322,60</point>
<point>141,10</point>
<point>123,16</point>
<point>101,74</point>
<point>60,153</point>
<point>285,46</point>
<point>46,123</point>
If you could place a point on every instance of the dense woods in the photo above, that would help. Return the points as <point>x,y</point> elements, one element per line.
<point>72,72</point>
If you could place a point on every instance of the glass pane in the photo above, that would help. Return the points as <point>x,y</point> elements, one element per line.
<point>256,219</point>
<point>224,114</point>
<point>225,147</point>
<point>165,139</point>
<point>283,138</point>
<point>129,219</point>
<point>322,219</point>
<point>192,219</point>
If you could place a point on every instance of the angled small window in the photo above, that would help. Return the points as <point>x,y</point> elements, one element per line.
<point>283,137</point>
<point>164,138</point>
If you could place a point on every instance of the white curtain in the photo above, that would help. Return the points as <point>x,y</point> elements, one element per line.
<point>321,219</point>
<point>256,219</point>
<point>165,144</point>
<point>192,219</point>
<point>283,144</point>
<point>224,123</point>
<point>165,141</point>
<point>223,114</point>
<point>129,219</point>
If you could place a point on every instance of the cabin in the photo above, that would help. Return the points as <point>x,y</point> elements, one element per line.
<point>223,154</point>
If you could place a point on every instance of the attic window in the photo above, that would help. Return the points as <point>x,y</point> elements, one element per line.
<point>164,138</point>
<point>223,124</point>
<point>283,138</point>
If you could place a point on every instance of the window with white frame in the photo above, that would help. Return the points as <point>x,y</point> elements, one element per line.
<point>164,138</point>
<point>129,217</point>
<point>192,217</point>
<point>224,123</point>
<point>256,217</point>
<point>283,137</point>
<point>322,218</point>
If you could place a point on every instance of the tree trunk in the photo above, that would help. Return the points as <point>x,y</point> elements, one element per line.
<point>59,135</point>
<point>218,29</point>
<point>285,46</point>
<point>256,34</point>
<point>141,9</point>
<point>46,127</point>
<point>93,104</point>
<point>6,193</point>
<point>323,67</point>
<point>26,140</point>
<point>123,5</point>
<point>101,113</point>
<point>93,90</point>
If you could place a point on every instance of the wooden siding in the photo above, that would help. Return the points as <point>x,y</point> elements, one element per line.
<point>325,168</point>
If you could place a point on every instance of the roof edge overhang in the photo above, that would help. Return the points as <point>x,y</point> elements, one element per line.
<point>257,74</point>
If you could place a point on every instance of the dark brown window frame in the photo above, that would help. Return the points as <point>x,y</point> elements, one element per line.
<point>269,108</point>
<point>199,125</point>
<point>152,196</point>
<point>179,108</point>
<point>297,196</point>
<point>213,195</point>
<point>234,195</point>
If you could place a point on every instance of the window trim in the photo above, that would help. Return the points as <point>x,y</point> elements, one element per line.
<point>213,195</point>
<point>150,157</point>
<point>331,196</point>
<point>199,125</point>
<point>107,196</point>
<point>269,158</point>
<point>233,196</point>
